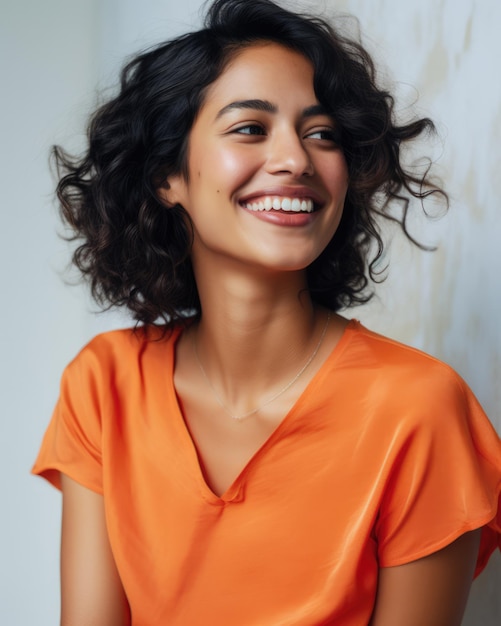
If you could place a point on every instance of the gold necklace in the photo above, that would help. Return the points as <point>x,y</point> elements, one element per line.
<point>270,400</point>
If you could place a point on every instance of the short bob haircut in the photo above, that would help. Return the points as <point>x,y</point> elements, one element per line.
<point>136,252</point>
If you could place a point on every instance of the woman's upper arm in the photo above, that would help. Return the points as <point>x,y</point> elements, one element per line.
<point>431,591</point>
<point>91,590</point>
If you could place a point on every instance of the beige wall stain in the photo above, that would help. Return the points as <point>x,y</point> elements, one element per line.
<point>468,34</point>
<point>435,69</point>
<point>494,164</point>
<point>469,194</point>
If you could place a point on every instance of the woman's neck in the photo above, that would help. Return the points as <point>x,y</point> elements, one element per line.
<point>254,332</point>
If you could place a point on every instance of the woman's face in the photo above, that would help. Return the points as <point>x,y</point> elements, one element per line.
<point>267,180</point>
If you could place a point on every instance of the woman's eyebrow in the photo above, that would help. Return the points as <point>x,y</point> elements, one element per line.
<point>268,107</point>
<point>314,110</point>
<point>257,105</point>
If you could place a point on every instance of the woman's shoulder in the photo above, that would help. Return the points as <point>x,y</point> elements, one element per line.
<point>391,353</point>
<point>405,372</point>
<point>401,389</point>
<point>118,349</point>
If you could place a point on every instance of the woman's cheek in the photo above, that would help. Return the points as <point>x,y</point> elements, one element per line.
<point>237,163</point>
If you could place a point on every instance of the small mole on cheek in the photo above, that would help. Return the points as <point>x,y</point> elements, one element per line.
<point>217,191</point>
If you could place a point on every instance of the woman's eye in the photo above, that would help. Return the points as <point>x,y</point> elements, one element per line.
<point>250,129</point>
<point>324,134</point>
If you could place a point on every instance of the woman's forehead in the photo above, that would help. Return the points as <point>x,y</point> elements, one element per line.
<point>267,73</point>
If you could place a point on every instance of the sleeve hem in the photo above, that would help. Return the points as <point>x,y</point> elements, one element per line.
<point>52,474</point>
<point>395,561</point>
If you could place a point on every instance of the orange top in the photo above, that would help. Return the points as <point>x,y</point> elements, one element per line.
<point>385,458</point>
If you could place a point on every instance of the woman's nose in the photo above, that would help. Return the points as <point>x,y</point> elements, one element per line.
<point>288,155</point>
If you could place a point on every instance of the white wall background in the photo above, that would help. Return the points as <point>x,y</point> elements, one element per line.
<point>53,56</point>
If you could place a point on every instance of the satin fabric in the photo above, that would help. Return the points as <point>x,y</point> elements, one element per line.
<point>385,458</point>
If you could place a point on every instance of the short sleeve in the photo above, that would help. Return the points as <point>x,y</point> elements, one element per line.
<point>72,441</point>
<point>445,477</point>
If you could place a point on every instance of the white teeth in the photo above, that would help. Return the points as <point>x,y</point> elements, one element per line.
<point>293,205</point>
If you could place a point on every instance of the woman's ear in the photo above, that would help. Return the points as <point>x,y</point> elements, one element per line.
<point>171,191</point>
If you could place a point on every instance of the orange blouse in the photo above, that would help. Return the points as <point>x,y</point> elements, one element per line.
<point>385,458</point>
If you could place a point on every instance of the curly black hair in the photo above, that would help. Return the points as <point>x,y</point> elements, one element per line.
<point>136,253</point>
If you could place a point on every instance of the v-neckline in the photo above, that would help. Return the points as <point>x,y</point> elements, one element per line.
<point>233,493</point>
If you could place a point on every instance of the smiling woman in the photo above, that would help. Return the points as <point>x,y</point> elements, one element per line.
<point>247,455</point>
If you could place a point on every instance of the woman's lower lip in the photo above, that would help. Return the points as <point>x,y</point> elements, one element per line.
<point>283,218</point>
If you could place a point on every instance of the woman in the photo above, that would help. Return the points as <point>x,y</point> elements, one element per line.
<point>257,459</point>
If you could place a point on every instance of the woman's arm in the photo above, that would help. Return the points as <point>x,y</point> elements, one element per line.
<point>431,591</point>
<point>91,591</point>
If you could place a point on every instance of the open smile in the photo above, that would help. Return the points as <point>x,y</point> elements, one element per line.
<point>290,199</point>
<point>282,210</point>
<point>276,203</point>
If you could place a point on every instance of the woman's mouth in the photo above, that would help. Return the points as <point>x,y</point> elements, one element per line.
<point>277,203</point>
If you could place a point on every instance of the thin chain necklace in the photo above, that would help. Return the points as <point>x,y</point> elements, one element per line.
<point>270,400</point>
